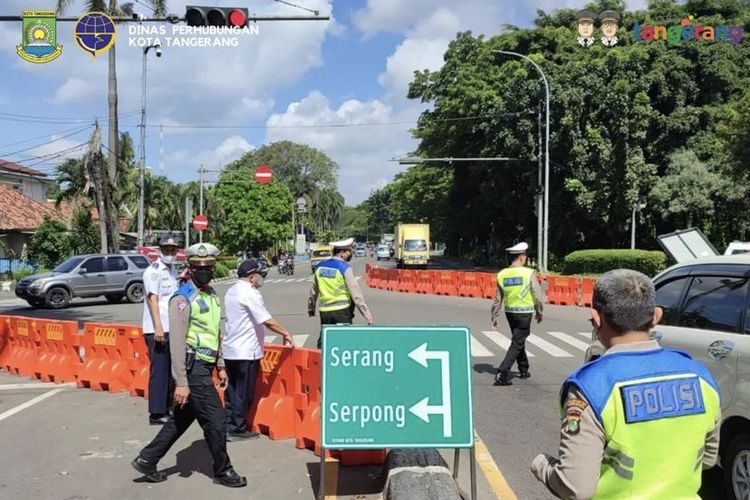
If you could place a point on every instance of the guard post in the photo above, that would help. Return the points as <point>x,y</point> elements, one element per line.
<point>396,387</point>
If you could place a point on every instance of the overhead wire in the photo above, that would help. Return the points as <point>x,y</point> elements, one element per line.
<point>45,136</point>
<point>76,132</point>
<point>14,117</point>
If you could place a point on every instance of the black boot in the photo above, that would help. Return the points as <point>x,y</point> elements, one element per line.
<point>148,470</point>
<point>501,378</point>
<point>524,374</point>
<point>231,479</point>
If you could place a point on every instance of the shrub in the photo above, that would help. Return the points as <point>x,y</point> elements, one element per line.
<point>23,272</point>
<point>648,262</point>
<point>228,262</point>
<point>221,271</point>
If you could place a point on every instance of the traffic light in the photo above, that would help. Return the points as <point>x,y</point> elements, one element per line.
<point>216,16</point>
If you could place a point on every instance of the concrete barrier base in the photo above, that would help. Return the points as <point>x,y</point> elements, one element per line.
<point>418,474</point>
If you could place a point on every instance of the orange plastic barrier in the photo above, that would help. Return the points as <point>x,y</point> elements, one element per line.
<point>425,282</point>
<point>586,292</point>
<point>273,410</point>
<point>140,364</point>
<point>368,275</point>
<point>307,399</point>
<point>24,352</point>
<point>108,352</point>
<point>5,346</point>
<point>390,279</point>
<point>469,284</point>
<point>562,290</point>
<point>445,283</point>
<point>375,277</point>
<point>59,358</point>
<point>407,281</point>
<point>489,285</point>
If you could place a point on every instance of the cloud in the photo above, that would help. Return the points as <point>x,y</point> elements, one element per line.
<point>73,90</point>
<point>229,150</point>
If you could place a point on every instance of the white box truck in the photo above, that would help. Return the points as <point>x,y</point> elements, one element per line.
<point>412,246</point>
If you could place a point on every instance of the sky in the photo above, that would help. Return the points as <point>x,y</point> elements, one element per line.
<point>339,85</point>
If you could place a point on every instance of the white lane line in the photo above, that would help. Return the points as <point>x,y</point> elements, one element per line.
<point>499,339</point>
<point>301,280</point>
<point>299,340</point>
<point>271,281</point>
<point>570,340</point>
<point>41,385</point>
<point>585,334</point>
<point>30,403</point>
<point>289,280</point>
<point>478,350</point>
<point>547,347</point>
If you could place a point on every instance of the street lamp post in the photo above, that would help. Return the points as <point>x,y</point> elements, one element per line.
<point>542,246</point>
<point>142,173</point>
<point>636,207</point>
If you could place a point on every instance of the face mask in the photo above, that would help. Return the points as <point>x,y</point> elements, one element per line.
<point>348,257</point>
<point>259,281</point>
<point>168,259</point>
<point>202,276</point>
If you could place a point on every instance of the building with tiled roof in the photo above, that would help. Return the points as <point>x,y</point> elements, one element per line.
<point>28,181</point>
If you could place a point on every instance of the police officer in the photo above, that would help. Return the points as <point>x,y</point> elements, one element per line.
<point>159,283</point>
<point>195,318</point>
<point>641,420</point>
<point>335,286</point>
<point>518,288</point>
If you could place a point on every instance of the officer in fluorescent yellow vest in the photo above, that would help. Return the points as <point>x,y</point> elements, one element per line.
<point>336,288</point>
<point>195,347</point>
<point>519,290</point>
<point>641,421</point>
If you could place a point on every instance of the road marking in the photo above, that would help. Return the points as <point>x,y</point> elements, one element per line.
<point>585,334</point>
<point>478,350</point>
<point>549,348</point>
<point>270,281</point>
<point>289,280</point>
<point>570,340</point>
<point>491,471</point>
<point>30,403</point>
<point>358,278</point>
<point>41,385</point>
<point>299,340</point>
<point>301,280</point>
<point>499,339</point>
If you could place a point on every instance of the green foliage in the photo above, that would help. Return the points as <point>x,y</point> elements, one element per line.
<point>221,270</point>
<point>600,261</point>
<point>84,237</point>
<point>228,262</point>
<point>254,216</point>
<point>50,244</point>
<point>23,272</point>
<point>353,223</point>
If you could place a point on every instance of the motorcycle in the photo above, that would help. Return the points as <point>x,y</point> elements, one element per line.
<point>286,266</point>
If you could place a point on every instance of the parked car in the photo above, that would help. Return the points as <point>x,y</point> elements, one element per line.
<point>360,252</point>
<point>706,305</point>
<point>114,276</point>
<point>383,252</point>
<point>319,254</point>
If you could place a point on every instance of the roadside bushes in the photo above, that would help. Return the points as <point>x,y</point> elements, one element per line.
<point>648,262</point>
<point>221,270</point>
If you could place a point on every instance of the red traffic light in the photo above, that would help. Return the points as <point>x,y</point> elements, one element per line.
<point>237,18</point>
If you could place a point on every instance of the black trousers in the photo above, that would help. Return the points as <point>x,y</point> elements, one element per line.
<point>520,326</point>
<point>240,392</point>
<point>160,383</point>
<point>342,316</point>
<point>205,406</point>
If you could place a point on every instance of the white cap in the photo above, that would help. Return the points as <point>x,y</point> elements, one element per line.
<point>343,243</point>
<point>517,249</point>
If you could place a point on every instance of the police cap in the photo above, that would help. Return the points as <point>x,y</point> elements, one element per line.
<point>202,254</point>
<point>168,241</point>
<point>347,243</point>
<point>585,15</point>
<point>518,249</point>
<point>609,15</point>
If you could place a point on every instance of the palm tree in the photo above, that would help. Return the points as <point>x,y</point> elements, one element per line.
<point>112,8</point>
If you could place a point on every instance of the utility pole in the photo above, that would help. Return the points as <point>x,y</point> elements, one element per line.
<point>93,167</point>
<point>539,201</point>
<point>142,172</point>
<point>200,206</point>
<point>188,213</point>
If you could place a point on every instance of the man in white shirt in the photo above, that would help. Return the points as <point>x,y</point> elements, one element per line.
<point>242,347</point>
<point>159,283</point>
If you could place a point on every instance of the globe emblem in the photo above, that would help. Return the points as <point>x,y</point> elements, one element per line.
<point>95,33</point>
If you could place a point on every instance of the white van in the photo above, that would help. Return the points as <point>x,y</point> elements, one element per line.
<point>737,247</point>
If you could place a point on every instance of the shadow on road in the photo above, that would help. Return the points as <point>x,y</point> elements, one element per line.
<point>352,481</point>
<point>194,458</point>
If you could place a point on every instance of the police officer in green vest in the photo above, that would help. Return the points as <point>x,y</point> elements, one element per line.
<point>336,288</point>
<point>195,347</point>
<point>641,421</point>
<point>518,288</point>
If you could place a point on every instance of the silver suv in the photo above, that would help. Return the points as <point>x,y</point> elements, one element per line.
<point>706,305</point>
<point>113,275</point>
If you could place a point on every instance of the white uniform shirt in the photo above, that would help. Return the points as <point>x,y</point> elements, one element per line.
<point>245,313</point>
<point>160,280</point>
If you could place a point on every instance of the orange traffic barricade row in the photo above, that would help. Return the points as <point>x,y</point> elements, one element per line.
<point>24,355</point>
<point>469,285</point>
<point>489,285</point>
<point>307,399</point>
<point>586,292</point>
<point>407,281</point>
<point>272,412</point>
<point>562,290</point>
<point>5,347</point>
<point>445,284</point>
<point>140,364</point>
<point>108,352</point>
<point>59,357</point>
<point>390,279</point>
<point>425,282</point>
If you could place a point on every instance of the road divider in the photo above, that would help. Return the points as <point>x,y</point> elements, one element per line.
<point>560,290</point>
<point>113,357</point>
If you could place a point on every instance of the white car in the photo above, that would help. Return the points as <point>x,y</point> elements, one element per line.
<point>706,305</point>
<point>737,248</point>
<point>383,252</point>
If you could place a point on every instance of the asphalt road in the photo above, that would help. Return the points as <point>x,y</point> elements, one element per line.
<point>515,422</point>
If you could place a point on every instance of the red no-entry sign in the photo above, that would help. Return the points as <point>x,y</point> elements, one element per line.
<point>200,223</point>
<point>263,174</point>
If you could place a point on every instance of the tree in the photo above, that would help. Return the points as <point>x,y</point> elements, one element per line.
<point>254,216</point>
<point>50,244</point>
<point>353,223</point>
<point>84,237</point>
<point>114,9</point>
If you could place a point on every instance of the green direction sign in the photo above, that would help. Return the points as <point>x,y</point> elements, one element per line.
<point>396,387</point>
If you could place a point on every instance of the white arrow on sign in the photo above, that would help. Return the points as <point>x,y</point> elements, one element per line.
<point>423,409</point>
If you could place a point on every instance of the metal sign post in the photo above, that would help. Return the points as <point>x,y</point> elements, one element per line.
<point>396,387</point>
